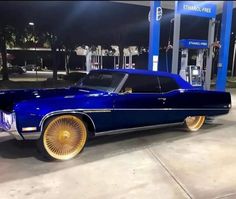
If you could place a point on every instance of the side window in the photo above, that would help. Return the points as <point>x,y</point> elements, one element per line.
<point>141,84</point>
<point>167,84</point>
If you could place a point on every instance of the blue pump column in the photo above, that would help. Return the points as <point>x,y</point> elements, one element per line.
<point>154,35</point>
<point>224,41</point>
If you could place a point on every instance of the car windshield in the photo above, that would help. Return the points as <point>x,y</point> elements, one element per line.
<point>101,80</point>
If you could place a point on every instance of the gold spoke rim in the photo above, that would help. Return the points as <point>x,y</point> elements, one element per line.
<point>64,137</point>
<point>194,122</point>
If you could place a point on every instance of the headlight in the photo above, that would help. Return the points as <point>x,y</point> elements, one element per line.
<point>7,121</point>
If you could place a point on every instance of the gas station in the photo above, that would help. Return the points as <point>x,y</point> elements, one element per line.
<point>163,163</point>
<point>199,74</point>
<point>189,73</point>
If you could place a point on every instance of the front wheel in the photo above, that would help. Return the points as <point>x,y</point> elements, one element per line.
<point>63,138</point>
<point>194,123</point>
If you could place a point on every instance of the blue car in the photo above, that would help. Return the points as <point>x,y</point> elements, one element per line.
<point>105,102</point>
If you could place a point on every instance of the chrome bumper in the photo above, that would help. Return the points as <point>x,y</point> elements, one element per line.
<point>31,135</point>
<point>8,124</point>
<point>15,134</point>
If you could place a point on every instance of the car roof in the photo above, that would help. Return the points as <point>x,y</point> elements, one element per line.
<point>182,83</point>
<point>140,72</point>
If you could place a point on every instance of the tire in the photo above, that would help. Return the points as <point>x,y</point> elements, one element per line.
<point>63,137</point>
<point>194,123</point>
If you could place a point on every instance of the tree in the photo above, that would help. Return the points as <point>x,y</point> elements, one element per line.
<point>50,39</point>
<point>7,39</point>
<point>69,45</point>
<point>14,36</point>
<point>58,41</point>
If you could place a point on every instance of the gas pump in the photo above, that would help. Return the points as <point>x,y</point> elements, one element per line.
<point>194,74</point>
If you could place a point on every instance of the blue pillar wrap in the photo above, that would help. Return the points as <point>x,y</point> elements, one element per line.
<point>154,35</point>
<point>224,41</point>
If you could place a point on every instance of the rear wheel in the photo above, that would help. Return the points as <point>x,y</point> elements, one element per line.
<point>64,137</point>
<point>194,123</point>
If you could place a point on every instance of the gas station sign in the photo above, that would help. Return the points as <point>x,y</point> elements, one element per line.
<point>195,8</point>
<point>193,44</point>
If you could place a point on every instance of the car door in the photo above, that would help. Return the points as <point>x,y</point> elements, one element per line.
<point>171,95</point>
<point>139,103</point>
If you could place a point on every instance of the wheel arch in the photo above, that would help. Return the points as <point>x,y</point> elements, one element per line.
<point>85,118</point>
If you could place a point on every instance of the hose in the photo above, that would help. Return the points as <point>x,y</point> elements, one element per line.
<point>169,46</point>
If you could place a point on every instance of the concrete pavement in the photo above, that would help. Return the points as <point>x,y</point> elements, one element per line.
<point>163,163</point>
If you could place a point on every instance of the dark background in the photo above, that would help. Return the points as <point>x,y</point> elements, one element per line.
<point>99,23</point>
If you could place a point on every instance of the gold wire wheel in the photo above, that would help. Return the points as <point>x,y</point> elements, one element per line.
<point>194,123</point>
<point>64,137</point>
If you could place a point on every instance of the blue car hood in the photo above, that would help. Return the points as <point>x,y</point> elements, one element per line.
<point>9,98</point>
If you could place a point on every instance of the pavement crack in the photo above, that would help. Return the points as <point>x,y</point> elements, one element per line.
<point>169,172</point>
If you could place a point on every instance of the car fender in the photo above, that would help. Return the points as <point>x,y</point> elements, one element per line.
<point>85,117</point>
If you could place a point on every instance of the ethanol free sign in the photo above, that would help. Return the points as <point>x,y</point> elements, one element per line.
<point>201,9</point>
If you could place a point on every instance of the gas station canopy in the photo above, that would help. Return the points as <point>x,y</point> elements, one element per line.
<point>171,4</point>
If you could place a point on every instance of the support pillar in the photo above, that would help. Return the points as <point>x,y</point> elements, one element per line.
<point>175,55</point>
<point>234,54</point>
<point>154,35</point>
<point>211,32</point>
<point>224,41</point>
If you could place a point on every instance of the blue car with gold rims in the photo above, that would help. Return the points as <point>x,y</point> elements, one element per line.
<point>105,102</point>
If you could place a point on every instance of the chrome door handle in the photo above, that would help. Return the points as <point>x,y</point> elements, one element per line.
<point>162,98</point>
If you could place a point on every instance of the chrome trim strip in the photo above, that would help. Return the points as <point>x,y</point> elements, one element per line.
<point>73,111</point>
<point>98,111</point>
<point>31,135</point>
<point>120,131</point>
<point>142,109</point>
<point>136,109</point>
<point>154,109</point>
<point>84,111</point>
<point>102,110</point>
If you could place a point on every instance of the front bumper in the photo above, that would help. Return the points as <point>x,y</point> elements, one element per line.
<point>8,124</point>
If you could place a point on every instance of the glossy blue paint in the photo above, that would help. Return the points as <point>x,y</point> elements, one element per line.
<point>113,111</point>
<point>224,41</point>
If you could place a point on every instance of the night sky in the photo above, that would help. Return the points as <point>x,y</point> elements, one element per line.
<point>87,22</point>
<point>97,22</point>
